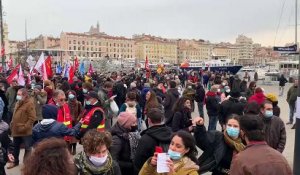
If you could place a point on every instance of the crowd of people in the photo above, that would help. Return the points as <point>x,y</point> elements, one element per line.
<point>124,120</point>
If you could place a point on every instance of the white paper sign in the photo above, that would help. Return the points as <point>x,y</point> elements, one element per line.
<point>298,108</point>
<point>162,166</point>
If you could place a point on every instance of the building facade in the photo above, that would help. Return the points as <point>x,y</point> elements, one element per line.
<point>228,51</point>
<point>157,49</point>
<point>246,50</point>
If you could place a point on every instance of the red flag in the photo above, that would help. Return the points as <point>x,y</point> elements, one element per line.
<point>13,75</point>
<point>10,62</point>
<point>76,64</point>
<point>2,51</point>
<point>48,64</point>
<point>71,74</point>
<point>147,68</point>
<point>28,78</point>
<point>91,70</point>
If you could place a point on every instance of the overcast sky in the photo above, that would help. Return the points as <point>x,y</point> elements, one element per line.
<point>214,20</point>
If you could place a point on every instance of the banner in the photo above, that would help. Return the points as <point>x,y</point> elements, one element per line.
<point>292,48</point>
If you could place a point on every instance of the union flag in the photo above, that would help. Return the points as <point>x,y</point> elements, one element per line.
<point>48,63</point>
<point>76,63</point>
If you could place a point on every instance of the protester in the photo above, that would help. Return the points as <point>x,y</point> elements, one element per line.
<point>282,81</point>
<point>11,94</point>
<point>93,114</point>
<point>124,141</point>
<point>158,134</point>
<point>21,125</point>
<point>252,108</point>
<point>182,119</point>
<point>190,93</point>
<point>258,96</point>
<point>236,85</point>
<point>199,98</point>
<point>258,157</point>
<point>212,107</point>
<point>251,89</point>
<point>272,98</point>
<point>274,127</point>
<point>218,148</point>
<point>120,91</point>
<point>39,98</point>
<point>95,157</point>
<point>182,152</point>
<point>49,127</point>
<point>172,96</point>
<point>291,99</point>
<point>49,157</point>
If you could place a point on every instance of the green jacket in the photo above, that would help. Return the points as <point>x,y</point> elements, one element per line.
<point>292,95</point>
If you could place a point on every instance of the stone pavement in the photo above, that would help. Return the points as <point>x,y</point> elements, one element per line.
<point>289,149</point>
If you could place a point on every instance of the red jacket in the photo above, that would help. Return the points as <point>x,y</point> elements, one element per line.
<point>259,98</point>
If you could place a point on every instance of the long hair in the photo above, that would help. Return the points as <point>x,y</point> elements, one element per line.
<point>152,102</point>
<point>50,157</point>
<point>189,143</point>
<point>179,105</point>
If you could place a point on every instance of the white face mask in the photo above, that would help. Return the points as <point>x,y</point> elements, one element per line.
<point>98,161</point>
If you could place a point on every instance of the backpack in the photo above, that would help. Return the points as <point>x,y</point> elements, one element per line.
<point>131,110</point>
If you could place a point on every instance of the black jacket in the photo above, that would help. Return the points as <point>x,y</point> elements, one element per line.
<point>5,109</point>
<point>282,81</point>
<point>181,121</point>
<point>120,91</point>
<point>216,153</point>
<point>230,106</point>
<point>200,94</point>
<point>151,137</point>
<point>212,104</point>
<point>171,97</point>
<point>120,149</point>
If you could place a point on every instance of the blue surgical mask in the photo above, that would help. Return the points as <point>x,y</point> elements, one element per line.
<point>19,97</point>
<point>232,132</point>
<point>268,114</point>
<point>174,155</point>
<point>87,102</point>
<point>71,96</point>
<point>84,91</point>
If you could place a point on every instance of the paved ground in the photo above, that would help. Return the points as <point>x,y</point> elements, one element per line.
<point>288,152</point>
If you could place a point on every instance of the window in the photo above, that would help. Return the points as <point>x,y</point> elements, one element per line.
<point>79,48</point>
<point>92,42</point>
<point>74,48</point>
<point>70,48</point>
<point>78,42</point>
<point>87,43</point>
<point>82,42</point>
<point>70,42</point>
<point>74,41</point>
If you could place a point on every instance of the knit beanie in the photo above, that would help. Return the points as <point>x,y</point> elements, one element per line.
<point>126,119</point>
<point>49,112</point>
<point>271,97</point>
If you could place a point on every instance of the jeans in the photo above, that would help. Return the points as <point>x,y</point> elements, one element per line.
<point>281,90</point>
<point>292,111</point>
<point>212,124</point>
<point>17,141</point>
<point>200,109</point>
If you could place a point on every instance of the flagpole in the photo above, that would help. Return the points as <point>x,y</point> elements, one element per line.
<point>2,37</point>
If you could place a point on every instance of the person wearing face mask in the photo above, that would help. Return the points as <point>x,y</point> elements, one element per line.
<point>182,152</point>
<point>21,125</point>
<point>63,115</point>
<point>76,107</point>
<point>93,114</point>
<point>124,141</point>
<point>274,128</point>
<point>218,148</point>
<point>182,119</point>
<point>95,157</point>
<point>251,89</point>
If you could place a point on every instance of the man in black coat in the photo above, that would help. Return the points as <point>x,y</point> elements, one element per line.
<point>233,105</point>
<point>171,97</point>
<point>120,91</point>
<point>282,81</point>
<point>157,134</point>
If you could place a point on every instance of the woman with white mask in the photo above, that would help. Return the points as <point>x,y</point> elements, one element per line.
<point>95,157</point>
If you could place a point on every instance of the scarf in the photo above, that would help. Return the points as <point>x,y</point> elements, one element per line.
<point>236,144</point>
<point>86,167</point>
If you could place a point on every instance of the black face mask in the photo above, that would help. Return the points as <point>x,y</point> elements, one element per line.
<point>134,128</point>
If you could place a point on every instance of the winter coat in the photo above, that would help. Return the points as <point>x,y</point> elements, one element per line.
<point>5,107</point>
<point>183,167</point>
<point>292,96</point>
<point>120,149</point>
<point>39,101</point>
<point>189,93</point>
<point>230,106</point>
<point>249,93</point>
<point>259,158</point>
<point>159,93</point>
<point>46,129</point>
<point>275,133</point>
<point>216,153</point>
<point>259,98</point>
<point>11,94</point>
<point>200,95</point>
<point>120,91</point>
<point>236,85</point>
<point>182,120</point>
<point>23,118</point>
<point>144,92</point>
<point>151,137</point>
<point>172,96</point>
<point>6,143</point>
<point>282,81</point>
<point>243,86</point>
<point>212,103</point>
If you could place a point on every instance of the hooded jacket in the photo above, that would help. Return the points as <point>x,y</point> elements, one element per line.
<point>212,103</point>
<point>50,128</point>
<point>172,96</point>
<point>259,98</point>
<point>230,106</point>
<point>151,137</point>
